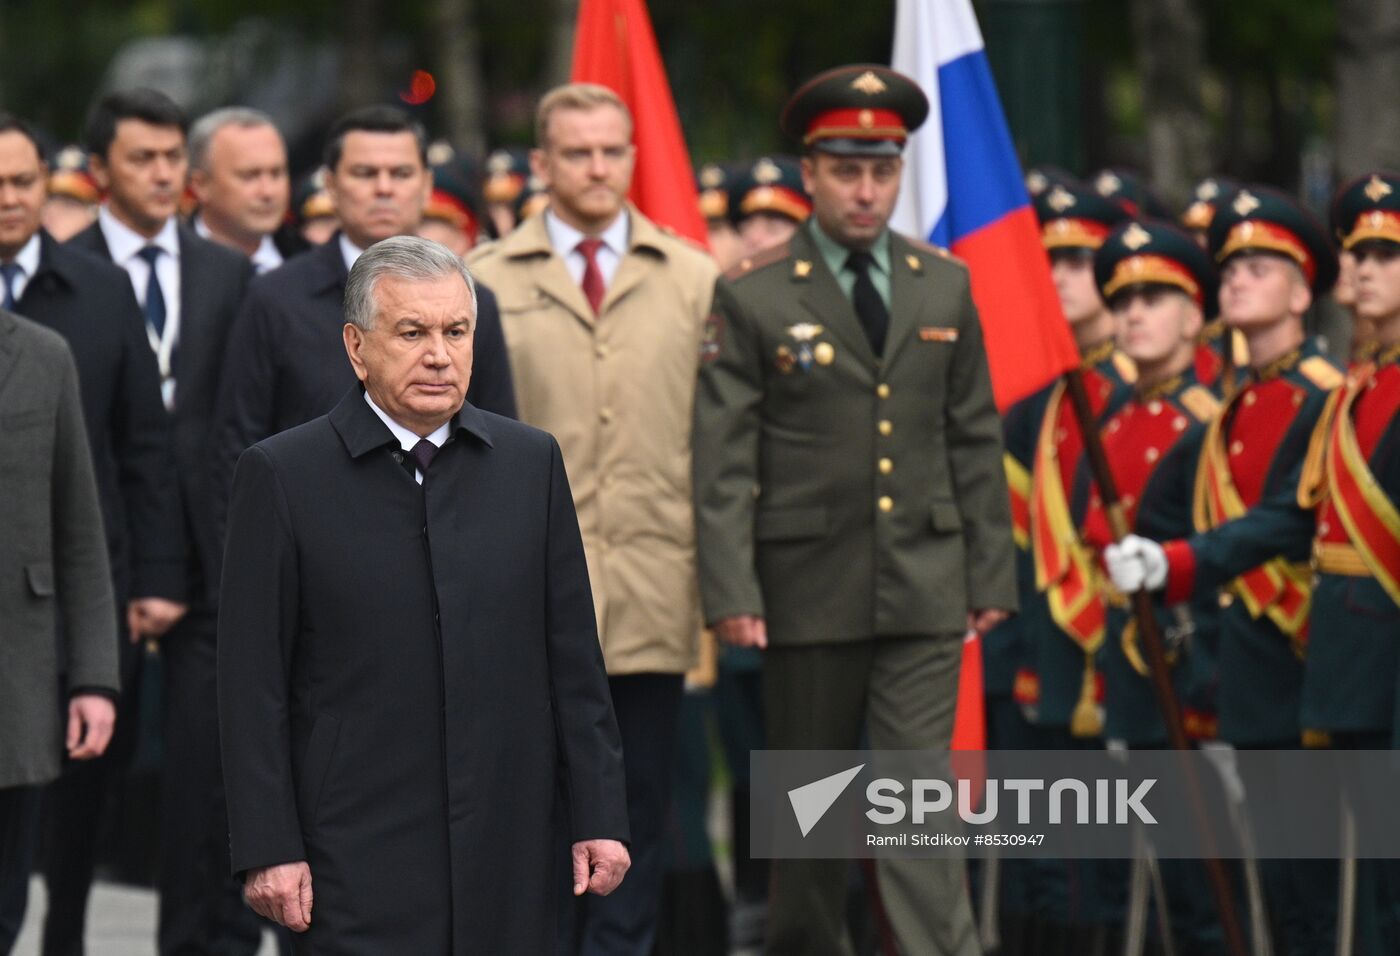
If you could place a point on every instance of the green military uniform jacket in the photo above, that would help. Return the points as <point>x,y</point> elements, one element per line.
<point>840,495</point>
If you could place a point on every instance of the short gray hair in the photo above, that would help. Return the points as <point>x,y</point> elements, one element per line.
<point>401,257</point>
<point>204,128</point>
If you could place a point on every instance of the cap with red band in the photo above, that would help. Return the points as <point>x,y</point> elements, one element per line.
<point>864,109</point>
<point>1260,219</point>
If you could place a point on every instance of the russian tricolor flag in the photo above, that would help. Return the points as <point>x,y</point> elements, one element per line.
<point>963,189</point>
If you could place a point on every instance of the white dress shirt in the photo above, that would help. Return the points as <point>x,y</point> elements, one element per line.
<point>349,251</point>
<point>565,239</point>
<point>265,258</point>
<point>28,261</point>
<point>125,245</point>
<point>408,439</point>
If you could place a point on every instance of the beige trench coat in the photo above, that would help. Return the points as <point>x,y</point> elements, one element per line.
<point>617,390</point>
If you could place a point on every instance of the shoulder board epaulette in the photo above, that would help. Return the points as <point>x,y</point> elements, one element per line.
<point>758,260</point>
<point>1321,372</point>
<point>1199,401</point>
<point>938,251</point>
<point>1127,368</point>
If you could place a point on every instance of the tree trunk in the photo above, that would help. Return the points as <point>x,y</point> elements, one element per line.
<point>361,82</point>
<point>561,42</point>
<point>1368,74</point>
<point>1169,36</point>
<point>460,85</point>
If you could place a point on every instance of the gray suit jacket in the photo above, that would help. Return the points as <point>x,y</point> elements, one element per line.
<point>53,554</point>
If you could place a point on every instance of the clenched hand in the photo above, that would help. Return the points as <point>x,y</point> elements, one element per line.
<point>281,893</point>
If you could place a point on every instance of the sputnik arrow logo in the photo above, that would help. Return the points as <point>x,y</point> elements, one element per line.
<point>811,801</point>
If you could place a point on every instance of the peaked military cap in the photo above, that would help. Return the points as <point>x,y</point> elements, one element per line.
<point>1262,219</point>
<point>71,178</point>
<point>1367,208</point>
<point>1041,178</point>
<point>712,188</point>
<point>505,175</point>
<point>310,200</point>
<point>1204,200</point>
<point>860,110</point>
<point>453,199</point>
<point>771,184</point>
<point>1073,216</point>
<point>1130,190</point>
<point>1154,253</point>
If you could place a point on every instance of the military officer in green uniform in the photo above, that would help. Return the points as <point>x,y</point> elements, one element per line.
<point>1274,258</point>
<point>851,508</point>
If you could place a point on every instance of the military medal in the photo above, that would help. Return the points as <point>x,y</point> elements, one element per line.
<point>824,353</point>
<point>784,360</point>
<point>803,333</point>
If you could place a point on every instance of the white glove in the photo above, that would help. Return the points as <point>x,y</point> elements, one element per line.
<point>1136,563</point>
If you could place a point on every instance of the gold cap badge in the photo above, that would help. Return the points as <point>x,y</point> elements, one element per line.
<point>1377,189</point>
<point>1208,190</point>
<point>1135,237</point>
<point>1059,199</point>
<point>1108,184</point>
<point>712,177</point>
<point>868,83</point>
<point>1245,203</point>
<point>766,171</point>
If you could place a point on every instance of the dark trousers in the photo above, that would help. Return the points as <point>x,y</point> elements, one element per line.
<point>19,816</point>
<point>624,922</point>
<point>73,810</point>
<point>201,904</point>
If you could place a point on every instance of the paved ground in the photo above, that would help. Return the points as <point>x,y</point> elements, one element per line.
<point>122,922</point>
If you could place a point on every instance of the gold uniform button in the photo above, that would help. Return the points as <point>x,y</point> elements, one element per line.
<point>882,390</point>
<point>886,466</point>
<point>1250,398</point>
<point>1236,447</point>
<point>886,426</point>
<point>886,503</point>
<point>1152,454</point>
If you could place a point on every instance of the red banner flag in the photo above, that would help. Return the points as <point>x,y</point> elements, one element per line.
<point>615,47</point>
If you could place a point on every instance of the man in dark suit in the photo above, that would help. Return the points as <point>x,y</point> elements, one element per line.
<point>286,364</point>
<point>53,567</point>
<point>190,291</point>
<point>89,302</point>
<point>408,656</point>
<point>238,172</point>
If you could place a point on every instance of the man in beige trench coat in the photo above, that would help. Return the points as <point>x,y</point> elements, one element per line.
<point>603,313</point>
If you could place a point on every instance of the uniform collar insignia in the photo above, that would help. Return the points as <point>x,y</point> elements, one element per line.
<point>1097,355</point>
<point>914,264</point>
<point>1278,366</point>
<point>801,269</point>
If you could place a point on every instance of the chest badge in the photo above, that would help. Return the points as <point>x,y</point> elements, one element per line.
<point>806,353</point>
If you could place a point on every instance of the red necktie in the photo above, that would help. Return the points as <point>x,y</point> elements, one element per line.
<point>593,287</point>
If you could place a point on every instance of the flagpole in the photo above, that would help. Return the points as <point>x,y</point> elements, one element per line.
<point>1159,672</point>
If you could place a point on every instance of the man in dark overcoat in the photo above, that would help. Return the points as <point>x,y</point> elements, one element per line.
<point>409,664</point>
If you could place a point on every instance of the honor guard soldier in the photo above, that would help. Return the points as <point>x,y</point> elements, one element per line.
<point>1274,258</point>
<point>1044,659</point>
<point>1160,286</point>
<point>507,171</point>
<point>768,203</point>
<point>73,197</point>
<point>851,506</point>
<point>1210,357</point>
<point>1062,613</point>
<point>313,210</point>
<point>1351,484</point>
<point>452,214</point>
<point>712,193</point>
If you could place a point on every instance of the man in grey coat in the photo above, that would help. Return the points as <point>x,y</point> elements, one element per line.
<point>53,567</point>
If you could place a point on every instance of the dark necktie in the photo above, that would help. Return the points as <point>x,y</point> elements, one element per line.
<point>8,272</point>
<point>592,283</point>
<point>870,308</point>
<point>155,299</point>
<point>423,454</point>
